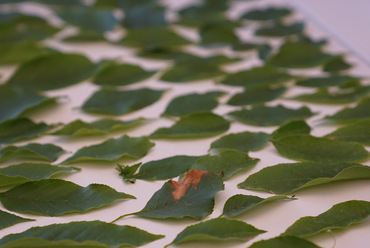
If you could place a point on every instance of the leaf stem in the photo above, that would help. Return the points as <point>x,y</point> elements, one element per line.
<point>123,216</point>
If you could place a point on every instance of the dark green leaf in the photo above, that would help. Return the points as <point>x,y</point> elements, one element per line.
<point>271,13</point>
<point>299,55</point>
<point>53,197</point>
<point>243,142</point>
<point>238,204</point>
<point>192,103</point>
<point>85,36</point>
<point>288,178</point>
<point>309,148</point>
<point>359,112</point>
<point>45,73</point>
<point>356,132</point>
<point>113,150</point>
<point>79,234</point>
<point>25,172</point>
<point>7,219</point>
<point>144,16</point>
<point>264,51</point>
<point>121,74</point>
<point>217,35</point>
<point>279,30</point>
<point>260,115</point>
<point>256,95</point>
<point>257,76</point>
<point>152,38</point>
<point>195,125</point>
<point>99,127</point>
<point>114,102</point>
<point>334,80</point>
<point>291,128</point>
<point>33,151</point>
<point>219,230</point>
<point>20,129</point>
<point>336,64</point>
<point>244,46</point>
<point>340,215</point>
<point>166,54</point>
<point>284,242</point>
<point>226,163</point>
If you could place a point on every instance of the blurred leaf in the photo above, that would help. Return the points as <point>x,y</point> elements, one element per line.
<point>359,112</point>
<point>32,151</point>
<point>145,16</point>
<point>279,30</point>
<point>256,95</point>
<point>271,13</point>
<point>284,242</point>
<point>7,219</point>
<point>336,64</point>
<point>243,142</point>
<point>355,132</point>
<point>217,35</point>
<point>85,36</point>
<point>334,80</point>
<point>291,128</point>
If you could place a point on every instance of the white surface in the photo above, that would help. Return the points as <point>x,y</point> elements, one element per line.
<point>274,217</point>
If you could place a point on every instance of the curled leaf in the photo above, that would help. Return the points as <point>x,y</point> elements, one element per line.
<point>284,242</point>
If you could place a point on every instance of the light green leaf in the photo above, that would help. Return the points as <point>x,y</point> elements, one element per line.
<point>256,95</point>
<point>195,125</point>
<point>114,102</point>
<point>271,13</point>
<point>25,172</point>
<point>238,204</point>
<point>257,76</point>
<point>288,178</point>
<point>243,142</point>
<point>226,163</point>
<point>54,197</point>
<point>7,219</point>
<point>355,132</point>
<point>280,30</point>
<point>333,80</point>
<point>308,148</point>
<point>284,242</point>
<point>193,103</point>
<point>20,129</point>
<point>217,230</point>
<point>359,112</point>
<point>291,128</point>
<point>299,55</point>
<point>260,115</point>
<point>121,74</point>
<point>46,73</point>
<point>113,150</point>
<point>192,196</point>
<point>32,151</point>
<point>80,234</point>
<point>99,127</point>
<point>336,64</point>
<point>341,215</point>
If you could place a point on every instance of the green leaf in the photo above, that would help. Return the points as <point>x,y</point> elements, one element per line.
<point>7,219</point>
<point>85,36</point>
<point>165,168</point>
<point>144,16</point>
<point>25,172</point>
<point>359,112</point>
<point>288,178</point>
<point>192,103</point>
<point>217,230</point>
<point>245,46</point>
<point>264,51</point>
<point>195,125</point>
<point>114,102</point>
<point>226,163</point>
<point>45,73</point>
<point>291,128</point>
<point>336,64</point>
<point>280,30</point>
<point>99,127</point>
<point>299,55</point>
<point>217,35</point>
<point>334,80</point>
<point>54,197</point>
<point>192,196</point>
<point>113,150</point>
<point>341,215</point>
<point>121,74</point>
<point>243,142</point>
<point>260,115</point>
<point>284,242</point>
<point>271,13</point>
<point>33,151</point>
<point>153,38</point>
<point>308,148</point>
<point>355,132</point>
<point>256,95</point>
<point>15,101</point>
<point>20,129</point>
<point>80,234</point>
<point>238,204</point>
<point>257,76</point>
<point>127,172</point>
<point>339,96</point>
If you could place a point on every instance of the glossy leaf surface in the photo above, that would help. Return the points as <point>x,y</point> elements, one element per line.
<point>32,151</point>
<point>288,178</point>
<point>284,242</point>
<point>113,150</point>
<point>243,142</point>
<point>8,219</point>
<point>54,197</point>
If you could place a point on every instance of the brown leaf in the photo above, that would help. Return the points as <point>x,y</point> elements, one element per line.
<point>192,177</point>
